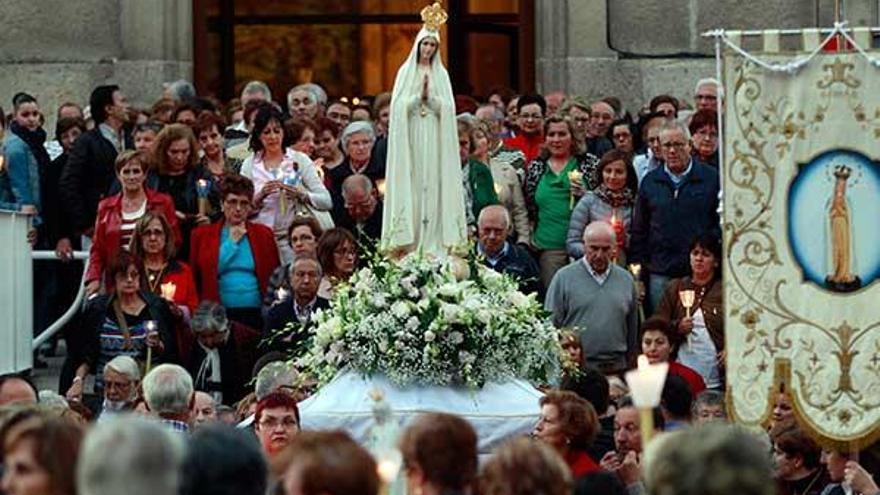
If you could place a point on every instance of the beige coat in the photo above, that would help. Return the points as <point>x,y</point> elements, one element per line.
<point>510,195</point>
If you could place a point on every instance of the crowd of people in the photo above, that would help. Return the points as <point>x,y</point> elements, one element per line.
<point>217,231</point>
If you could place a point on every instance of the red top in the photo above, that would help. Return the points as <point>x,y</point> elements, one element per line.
<point>580,463</point>
<point>107,239</point>
<point>694,380</point>
<point>205,250</point>
<point>185,293</point>
<point>530,145</point>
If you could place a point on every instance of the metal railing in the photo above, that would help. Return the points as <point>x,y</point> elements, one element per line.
<point>74,308</point>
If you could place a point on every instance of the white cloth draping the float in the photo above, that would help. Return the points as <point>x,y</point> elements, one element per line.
<point>497,412</point>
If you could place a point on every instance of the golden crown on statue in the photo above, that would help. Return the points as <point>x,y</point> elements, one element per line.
<point>842,172</point>
<point>434,16</point>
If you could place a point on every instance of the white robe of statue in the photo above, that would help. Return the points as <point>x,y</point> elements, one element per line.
<point>424,203</point>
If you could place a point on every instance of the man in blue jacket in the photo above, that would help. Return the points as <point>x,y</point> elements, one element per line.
<point>675,203</point>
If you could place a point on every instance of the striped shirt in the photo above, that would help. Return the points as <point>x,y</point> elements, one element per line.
<point>129,220</point>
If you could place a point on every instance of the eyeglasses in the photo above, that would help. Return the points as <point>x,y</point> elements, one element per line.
<point>241,204</point>
<point>116,385</point>
<point>288,423</point>
<point>674,146</point>
<point>345,252</point>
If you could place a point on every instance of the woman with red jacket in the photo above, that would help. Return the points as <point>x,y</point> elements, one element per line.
<point>117,215</point>
<point>233,259</point>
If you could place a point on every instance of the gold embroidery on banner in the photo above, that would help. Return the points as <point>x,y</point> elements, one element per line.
<point>846,387</point>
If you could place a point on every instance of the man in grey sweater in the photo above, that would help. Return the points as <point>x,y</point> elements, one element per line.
<point>599,300</point>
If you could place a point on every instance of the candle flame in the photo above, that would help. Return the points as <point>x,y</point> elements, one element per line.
<point>498,188</point>
<point>380,186</point>
<point>203,183</point>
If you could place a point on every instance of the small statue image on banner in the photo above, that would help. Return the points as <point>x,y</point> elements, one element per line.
<point>801,203</point>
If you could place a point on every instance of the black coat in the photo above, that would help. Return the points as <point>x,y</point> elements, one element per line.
<point>86,178</point>
<point>93,320</point>
<point>280,315</point>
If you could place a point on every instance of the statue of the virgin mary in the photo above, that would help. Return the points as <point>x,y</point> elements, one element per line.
<point>424,204</point>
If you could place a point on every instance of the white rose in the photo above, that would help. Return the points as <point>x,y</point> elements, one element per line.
<point>448,290</point>
<point>383,345</point>
<point>451,312</point>
<point>456,338</point>
<point>379,300</point>
<point>429,336</point>
<point>484,315</point>
<point>400,309</point>
<point>412,323</point>
<point>518,299</point>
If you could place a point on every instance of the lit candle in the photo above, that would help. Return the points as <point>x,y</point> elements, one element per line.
<point>575,177</point>
<point>169,289</point>
<point>202,189</point>
<point>498,188</point>
<point>150,326</point>
<point>646,387</point>
<point>635,269</point>
<point>388,469</point>
<point>2,163</point>
<point>380,186</point>
<point>687,298</point>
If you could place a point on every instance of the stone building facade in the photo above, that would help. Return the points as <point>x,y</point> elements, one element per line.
<point>59,49</point>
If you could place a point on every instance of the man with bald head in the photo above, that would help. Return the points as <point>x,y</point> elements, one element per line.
<point>598,300</point>
<point>499,254</point>
<point>15,389</point>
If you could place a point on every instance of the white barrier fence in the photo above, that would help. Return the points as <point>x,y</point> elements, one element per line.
<point>17,340</point>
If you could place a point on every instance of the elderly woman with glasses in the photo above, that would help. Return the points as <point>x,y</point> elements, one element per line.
<point>232,259</point>
<point>357,141</point>
<point>221,353</point>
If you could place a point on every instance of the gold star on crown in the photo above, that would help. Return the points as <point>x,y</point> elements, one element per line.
<point>434,16</point>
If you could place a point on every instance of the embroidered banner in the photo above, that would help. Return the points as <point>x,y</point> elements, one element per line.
<point>802,242</point>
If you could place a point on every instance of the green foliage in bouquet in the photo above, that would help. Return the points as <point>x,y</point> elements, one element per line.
<point>431,321</point>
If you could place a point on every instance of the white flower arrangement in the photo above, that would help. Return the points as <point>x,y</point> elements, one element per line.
<point>414,321</point>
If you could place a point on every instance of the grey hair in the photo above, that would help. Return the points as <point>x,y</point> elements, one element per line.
<point>254,87</point>
<point>709,398</point>
<point>599,225</point>
<point>52,400</point>
<point>317,93</point>
<point>130,455</point>
<point>125,365</point>
<point>497,114</point>
<point>272,376</point>
<point>719,89</point>
<point>209,317</point>
<point>357,182</point>
<point>468,118</point>
<point>714,458</point>
<point>306,258</point>
<point>491,208</point>
<point>672,125</point>
<point>182,90</point>
<point>168,389</point>
<point>356,127</point>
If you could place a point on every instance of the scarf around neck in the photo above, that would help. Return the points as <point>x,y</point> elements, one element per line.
<point>35,140</point>
<point>621,198</point>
